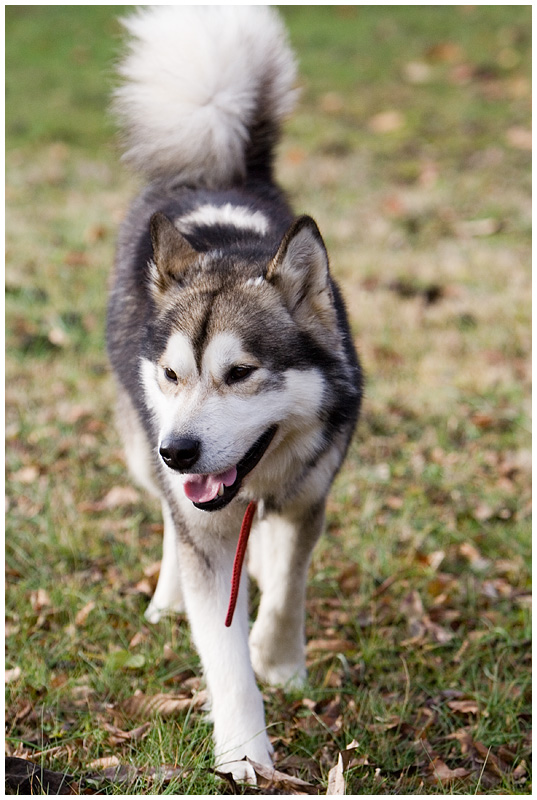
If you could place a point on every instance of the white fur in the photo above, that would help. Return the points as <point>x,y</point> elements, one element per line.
<point>194,77</point>
<point>227,214</point>
<point>237,705</point>
<point>179,356</point>
<point>278,639</point>
<point>255,281</point>
<point>168,596</point>
<point>229,420</point>
<point>222,352</point>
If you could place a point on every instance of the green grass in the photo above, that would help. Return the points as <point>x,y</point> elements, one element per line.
<point>419,590</point>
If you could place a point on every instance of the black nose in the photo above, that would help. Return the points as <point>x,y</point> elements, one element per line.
<point>181,453</point>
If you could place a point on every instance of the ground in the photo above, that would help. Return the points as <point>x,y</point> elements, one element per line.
<point>411,148</point>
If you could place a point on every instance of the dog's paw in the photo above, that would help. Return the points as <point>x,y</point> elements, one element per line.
<point>291,674</point>
<point>241,771</point>
<point>238,760</point>
<point>154,612</point>
<point>288,676</point>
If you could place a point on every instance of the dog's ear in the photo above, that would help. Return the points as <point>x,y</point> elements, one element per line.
<point>300,271</point>
<point>172,254</point>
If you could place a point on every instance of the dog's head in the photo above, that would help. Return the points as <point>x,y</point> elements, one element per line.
<point>234,368</point>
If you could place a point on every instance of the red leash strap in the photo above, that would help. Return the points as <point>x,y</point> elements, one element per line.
<point>239,558</point>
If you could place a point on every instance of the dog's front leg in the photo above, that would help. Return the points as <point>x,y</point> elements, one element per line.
<point>280,554</point>
<point>236,702</point>
<point>168,596</point>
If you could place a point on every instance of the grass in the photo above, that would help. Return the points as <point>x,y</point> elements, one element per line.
<point>410,148</point>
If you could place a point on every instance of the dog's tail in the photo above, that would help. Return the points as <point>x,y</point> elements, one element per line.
<point>204,91</point>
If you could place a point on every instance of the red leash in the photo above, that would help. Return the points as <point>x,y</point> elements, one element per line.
<point>239,558</point>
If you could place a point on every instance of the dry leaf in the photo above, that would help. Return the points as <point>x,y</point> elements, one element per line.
<point>346,759</point>
<point>520,772</point>
<point>270,778</point>
<point>381,727</point>
<point>13,674</point>
<point>39,600</point>
<point>84,613</point>
<point>164,705</point>
<point>444,51</point>
<point>336,778</point>
<point>153,570</point>
<point>118,736</point>
<point>386,121</point>
<point>464,706</point>
<point>332,103</point>
<point>520,138</point>
<point>58,337</point>
<point>120,496</point>
<point>117,497</point>
<point>463,736</point>
<point>417,72</point>
<point>26,475</point>
<point>468,550</point>
<point>491,761</point>
<point>331,645</point>
<point>478,227</point>
<point>104,763</point>
<point>441,773</point>
<point>26,779</point>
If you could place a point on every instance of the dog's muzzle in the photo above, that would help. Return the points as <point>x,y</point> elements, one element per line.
<point>181,455</point>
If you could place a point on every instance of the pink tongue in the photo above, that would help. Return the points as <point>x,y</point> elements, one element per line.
<point>202,488</point>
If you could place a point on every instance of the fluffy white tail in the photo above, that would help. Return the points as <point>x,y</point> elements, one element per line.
<point>204,91</point>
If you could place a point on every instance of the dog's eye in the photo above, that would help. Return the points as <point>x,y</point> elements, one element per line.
<point>170,374</point>
<point>239,373</point>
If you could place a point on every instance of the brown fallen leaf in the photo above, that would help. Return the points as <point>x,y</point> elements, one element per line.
<point>26,474</point>
<point>491,761</point>
<point>346,759</point>
<point>118,736</point>
<point>84,612</point>
<point>387,725</point>
<point>336,778</point>
<point>464,737</point>
<point>441,773</point>
<point>331,645</point>
<point>444,51</point>
<point>117,497</point>
<point>273,779</point>
<point>104,763</point>
<point>464,706</point>
<point>386,121</point>
<point>332,716</point>
<point>163,705</point>
<point>519,138</point>
<point>24,778</point>
<point>39,599</point>
<point>118,773</point>
<point>13,674</point>
<point>520,772</point>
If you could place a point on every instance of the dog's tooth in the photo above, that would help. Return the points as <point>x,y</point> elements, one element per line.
<point>221,490</point>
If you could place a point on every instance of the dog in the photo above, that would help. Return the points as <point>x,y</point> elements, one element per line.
<point>237,376</point>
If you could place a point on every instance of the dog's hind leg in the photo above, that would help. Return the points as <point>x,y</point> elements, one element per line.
<point>168,596</point>
<point>281,557</point>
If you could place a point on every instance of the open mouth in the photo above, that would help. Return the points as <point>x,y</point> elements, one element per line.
<point>213,492</point>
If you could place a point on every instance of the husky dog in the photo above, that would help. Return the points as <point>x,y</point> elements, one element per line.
<point>237,376</point>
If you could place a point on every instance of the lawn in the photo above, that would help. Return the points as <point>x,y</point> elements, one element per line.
<point>411,147</point>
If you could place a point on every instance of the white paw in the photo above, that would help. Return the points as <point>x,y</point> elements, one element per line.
<point>240,771</point>
<point>241,768</point>
<point>291,673</point>
<point>154,612</point>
